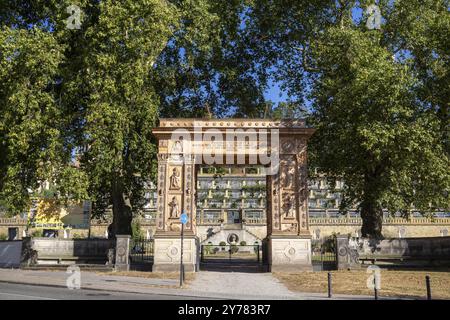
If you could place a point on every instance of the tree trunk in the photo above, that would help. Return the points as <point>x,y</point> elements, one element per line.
<point>371,210</point>
<point>372,219</point>
<point>122,213</point>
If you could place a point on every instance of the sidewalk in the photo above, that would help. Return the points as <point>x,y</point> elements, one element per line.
<point>211,285</point>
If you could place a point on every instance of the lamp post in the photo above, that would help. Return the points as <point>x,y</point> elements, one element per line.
<point>183,220</point>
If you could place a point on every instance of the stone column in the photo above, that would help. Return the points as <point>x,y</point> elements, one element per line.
<point>122,253</point>
<point>342,259</point>
<point>289,239</point>
<point>176,188</point>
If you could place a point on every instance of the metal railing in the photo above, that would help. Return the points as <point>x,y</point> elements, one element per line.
<point>323,253</point>
<point>231,253</point>
<point>141,250</point>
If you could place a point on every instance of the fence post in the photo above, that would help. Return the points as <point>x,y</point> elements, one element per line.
<point>427,281</point>
<point>143,247</point>
<point>329,285</point>
<point>375,289</point>
<point>257,248</point>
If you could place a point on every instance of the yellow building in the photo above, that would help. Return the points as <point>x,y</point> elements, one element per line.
<point>51,218</point>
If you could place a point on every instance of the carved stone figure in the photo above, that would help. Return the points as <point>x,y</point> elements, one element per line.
<point>177,147</point>
<point>174,208</point>
<point>287,176</point>
<point>175,180</point>
<point>111,254</point>
<point>288,206</point>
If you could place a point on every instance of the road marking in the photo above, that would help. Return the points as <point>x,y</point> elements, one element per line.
<point>23,295</point>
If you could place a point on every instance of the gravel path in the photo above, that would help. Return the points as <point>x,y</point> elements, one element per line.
<point>253,285</point>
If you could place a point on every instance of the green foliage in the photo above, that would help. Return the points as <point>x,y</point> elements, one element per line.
<point>234,248</point>
<point>243,243</point>
<point>136,230</point>
<point>378,98</point>
<point>37,233</point>
<point>222,243</point>
<point>3,236</point>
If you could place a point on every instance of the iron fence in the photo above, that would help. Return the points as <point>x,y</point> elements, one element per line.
<point>323,253</point>
<point>231,253</point>
<point>141,250</point>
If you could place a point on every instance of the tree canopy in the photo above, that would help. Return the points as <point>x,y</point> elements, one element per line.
<point>82,83</point>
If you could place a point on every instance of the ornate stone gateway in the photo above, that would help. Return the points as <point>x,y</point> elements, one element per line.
<point>278,145</point>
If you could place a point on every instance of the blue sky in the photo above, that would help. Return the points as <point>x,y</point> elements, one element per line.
<point>274,92</point>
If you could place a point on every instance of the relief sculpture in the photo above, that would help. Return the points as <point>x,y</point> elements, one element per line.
<point>175,180</point>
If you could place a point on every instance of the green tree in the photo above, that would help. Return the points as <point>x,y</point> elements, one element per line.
<point>123,42</point>
<point>379,98</point>
<point>32,148</point>
<point>88,92</point>
<point>371,131</point>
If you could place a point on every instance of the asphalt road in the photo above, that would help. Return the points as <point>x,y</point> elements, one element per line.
<point>10,291</point>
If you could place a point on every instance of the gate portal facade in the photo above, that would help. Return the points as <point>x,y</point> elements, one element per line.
<point>281,146</point>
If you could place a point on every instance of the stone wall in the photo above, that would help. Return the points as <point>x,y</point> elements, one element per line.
<point>10,253</point>
<point>392,227</point>
<point>424,251</point>
<point>51,250</point>
<point>255,231</point>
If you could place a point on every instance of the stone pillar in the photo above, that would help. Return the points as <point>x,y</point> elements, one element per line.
<point>122,253</point>
<point>289,239</point>
<point>28,254</point>
<point>347,253</point>
<point>341,252</point>
<point>167,253</point>
<point>176,188</point>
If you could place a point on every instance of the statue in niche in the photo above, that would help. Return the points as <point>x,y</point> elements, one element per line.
<point>177,147</point>
<point>287,176</point>
<point>289,206</point>
<point>174,208</point>
<point>175,180</point>
<point>176,150</point>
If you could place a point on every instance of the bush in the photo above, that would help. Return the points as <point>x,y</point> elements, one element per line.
<point>37,233</point>
<point>222,243</point>
<point>243,243</point>
<point>3,236</point>
<point>234,248</point>
<point>136,230</point>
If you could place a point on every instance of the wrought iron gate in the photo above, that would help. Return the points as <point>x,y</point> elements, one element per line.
<point>242,257</point>
<point>323,253</point>
<point>141,254</point>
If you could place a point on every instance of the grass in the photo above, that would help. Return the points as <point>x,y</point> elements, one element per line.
<point>394,283</point>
